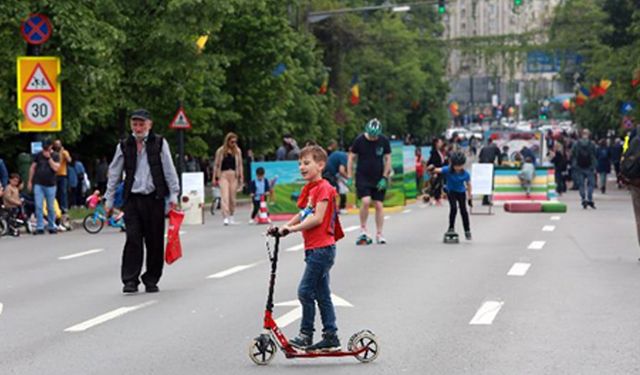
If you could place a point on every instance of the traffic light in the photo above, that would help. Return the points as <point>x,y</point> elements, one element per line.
<point>442,8</point>
<point>517,2</point>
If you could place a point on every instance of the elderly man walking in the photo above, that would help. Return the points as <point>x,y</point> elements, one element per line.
<point>150,178</point>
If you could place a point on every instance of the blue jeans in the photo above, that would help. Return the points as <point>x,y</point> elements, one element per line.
<point>62,193</point>
<point>41,193</point>
<point>314,286</point>
<point>589,176</point>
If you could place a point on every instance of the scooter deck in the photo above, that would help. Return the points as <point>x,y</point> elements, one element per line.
<point>304,354</point>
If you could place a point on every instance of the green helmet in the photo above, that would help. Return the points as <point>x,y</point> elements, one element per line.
<point>373,128</point>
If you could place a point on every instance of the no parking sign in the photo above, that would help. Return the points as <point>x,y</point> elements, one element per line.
<point>39,94</point>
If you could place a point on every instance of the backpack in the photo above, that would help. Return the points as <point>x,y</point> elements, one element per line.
<point>583,156</point>
<point>630,164</point>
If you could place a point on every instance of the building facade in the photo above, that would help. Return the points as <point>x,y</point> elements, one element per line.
<point>476,78</point>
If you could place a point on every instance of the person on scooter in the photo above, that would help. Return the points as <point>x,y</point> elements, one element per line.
<point>320,226</point>
<point>373,154</point>
<point>458,183</point>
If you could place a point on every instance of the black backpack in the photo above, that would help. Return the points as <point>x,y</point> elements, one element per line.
<point>583,156</point>
<point>630,164</point>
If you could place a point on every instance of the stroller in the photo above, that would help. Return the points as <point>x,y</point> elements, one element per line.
<point>434,184</point>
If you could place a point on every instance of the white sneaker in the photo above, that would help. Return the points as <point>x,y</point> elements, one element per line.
<point>252,222</point>
<point>380,240</point>
<point>225,221</point>
<point>232,221</point>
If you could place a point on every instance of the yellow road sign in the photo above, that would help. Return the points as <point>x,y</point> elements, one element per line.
<point>39,96</point>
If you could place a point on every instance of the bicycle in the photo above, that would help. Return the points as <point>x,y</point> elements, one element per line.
<point>94,222</point>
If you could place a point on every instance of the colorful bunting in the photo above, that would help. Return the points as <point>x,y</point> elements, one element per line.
<point>582,96</point>
<point>454,109</point>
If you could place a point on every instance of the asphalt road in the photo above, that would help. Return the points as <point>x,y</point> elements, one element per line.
<point>571,305</point>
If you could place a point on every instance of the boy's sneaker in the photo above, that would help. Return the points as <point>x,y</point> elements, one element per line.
<point>302,341</point>
<point>329,343</point>
<point>380,240</point>
<point>364,240</point>
<point>467,235</point>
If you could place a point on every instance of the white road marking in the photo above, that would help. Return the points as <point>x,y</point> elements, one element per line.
<point>231,271</point>
<point>296,247</point>
<point>548,228</point>
<point>519,269</point>
<point>536,245</point>
<point>487,313</point>
<point>107,316</point>
<point>352,228</point>
<point>296,313</point>
<point>387,217</point>
<point>555,218</point>
<point>289,317</point>
<point>1,309</point>
<point>77,255</point>
<point>406,211</point>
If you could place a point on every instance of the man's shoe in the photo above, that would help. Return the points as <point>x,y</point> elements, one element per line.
<point>467,235</point>
<point>585,205</point>
<point>592,205</point>
<point>38,232</point>
<point>53,231</point>
<point>130,288</point>
<point>302,341</point>
<point>329,343</point>
<point>151,288</point>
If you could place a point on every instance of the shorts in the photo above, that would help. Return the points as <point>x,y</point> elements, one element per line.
<point>368,191</point>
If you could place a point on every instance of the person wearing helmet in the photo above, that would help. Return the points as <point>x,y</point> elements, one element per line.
<point>458,184</point>
<point>372,152</point>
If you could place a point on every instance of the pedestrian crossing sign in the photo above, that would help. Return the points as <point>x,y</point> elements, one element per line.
<point>180,121</point>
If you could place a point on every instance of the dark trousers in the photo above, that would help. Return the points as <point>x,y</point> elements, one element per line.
<point>561,183</point>
<point>62,193</point>
<point>144,220</point>
<point>458,200</point>
<point>256,209</point>
<point>343,201</point>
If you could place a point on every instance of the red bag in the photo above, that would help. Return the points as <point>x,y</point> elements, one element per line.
<point>173,251</point>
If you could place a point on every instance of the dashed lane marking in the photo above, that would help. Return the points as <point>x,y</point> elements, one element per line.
<point>232,270</point>
<point>107,316</point>
<point>548,228</point>
<point>519,269</point>
<point>81,254</point>
<point>487,313</point>
<point>555,218</point>
<point>295,248</point>
<point>406,211</point>
<point>387,217</point>
<point>1,306</point>
<point>352,228</point>
<point>536,245</point>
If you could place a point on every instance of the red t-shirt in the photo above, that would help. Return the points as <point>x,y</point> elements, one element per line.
<point>323,234</point>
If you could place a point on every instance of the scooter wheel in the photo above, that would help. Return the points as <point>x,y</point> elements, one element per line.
<point>262,350</point>
<point>366,340</point>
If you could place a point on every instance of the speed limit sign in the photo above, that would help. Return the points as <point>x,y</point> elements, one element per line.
<point>39,97</point>
<point>39,110</point>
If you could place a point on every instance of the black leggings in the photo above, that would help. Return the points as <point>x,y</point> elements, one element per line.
<point>458,199</point>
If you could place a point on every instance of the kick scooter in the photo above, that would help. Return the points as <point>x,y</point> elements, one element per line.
<point>362,345</point>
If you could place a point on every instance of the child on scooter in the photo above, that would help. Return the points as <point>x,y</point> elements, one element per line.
<point>318,221</point>
<point>458,184</point>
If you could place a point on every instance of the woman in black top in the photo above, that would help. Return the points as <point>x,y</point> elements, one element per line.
<point>437,159</point>
<point>559,160</point>
<point>228,173</point>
